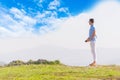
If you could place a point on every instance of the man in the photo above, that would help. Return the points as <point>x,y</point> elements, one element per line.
<point>91,39</point>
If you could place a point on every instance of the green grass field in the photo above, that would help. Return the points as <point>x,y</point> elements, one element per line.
<point>59,72</point>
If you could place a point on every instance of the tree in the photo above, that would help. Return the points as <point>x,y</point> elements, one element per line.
<point>30,62</point>
<point>16,62</point>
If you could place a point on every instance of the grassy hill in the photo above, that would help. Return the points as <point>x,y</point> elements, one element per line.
<point>59,72</point>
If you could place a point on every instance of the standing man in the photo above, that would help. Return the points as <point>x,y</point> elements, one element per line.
<point>91,39</point>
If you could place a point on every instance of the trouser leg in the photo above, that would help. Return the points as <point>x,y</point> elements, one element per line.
<point>92,45</point>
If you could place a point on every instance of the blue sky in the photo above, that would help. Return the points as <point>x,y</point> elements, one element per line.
<point>40,11</point>
<point>35,15</point>
<point>33,6</point>
<point>78,6</point>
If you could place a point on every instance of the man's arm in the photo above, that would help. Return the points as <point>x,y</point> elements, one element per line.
<point>91,37</point>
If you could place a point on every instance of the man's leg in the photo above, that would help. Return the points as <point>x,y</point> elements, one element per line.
<point>92,45</point>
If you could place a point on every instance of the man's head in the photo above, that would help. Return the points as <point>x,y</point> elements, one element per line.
<point>91,21</point>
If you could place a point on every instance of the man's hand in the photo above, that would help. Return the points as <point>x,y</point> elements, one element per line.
<point>87,40</point>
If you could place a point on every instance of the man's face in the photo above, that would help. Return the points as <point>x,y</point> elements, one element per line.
<point>90,23</point>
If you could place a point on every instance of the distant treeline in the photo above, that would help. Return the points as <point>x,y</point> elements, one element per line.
<point>39,61</point>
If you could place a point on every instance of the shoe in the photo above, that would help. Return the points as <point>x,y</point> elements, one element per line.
<point>92,64</point>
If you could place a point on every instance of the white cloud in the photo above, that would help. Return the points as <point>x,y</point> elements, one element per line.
<point>17,13</point>
<point>18,23</point>
<point>5,33</point>
<point>71,32</point>
<point>54,4</point>
<point>107,23</point>
<point>39,2</point>
<point>20,14</point>
<point>52,26</point>
<point>74,30</point>
<point>63,9</point>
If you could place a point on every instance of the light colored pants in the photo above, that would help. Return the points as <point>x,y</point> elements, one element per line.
<point>92,45</point>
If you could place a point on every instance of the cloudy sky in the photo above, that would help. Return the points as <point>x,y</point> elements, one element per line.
<point>56,29</point>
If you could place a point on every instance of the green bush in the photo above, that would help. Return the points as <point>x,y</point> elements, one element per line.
<point>16,63</point>
<point>39,61</point>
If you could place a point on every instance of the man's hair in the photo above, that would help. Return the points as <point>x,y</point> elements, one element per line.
<point>91,20</point>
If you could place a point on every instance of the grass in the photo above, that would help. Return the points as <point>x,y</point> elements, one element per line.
<point>59,72</point>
